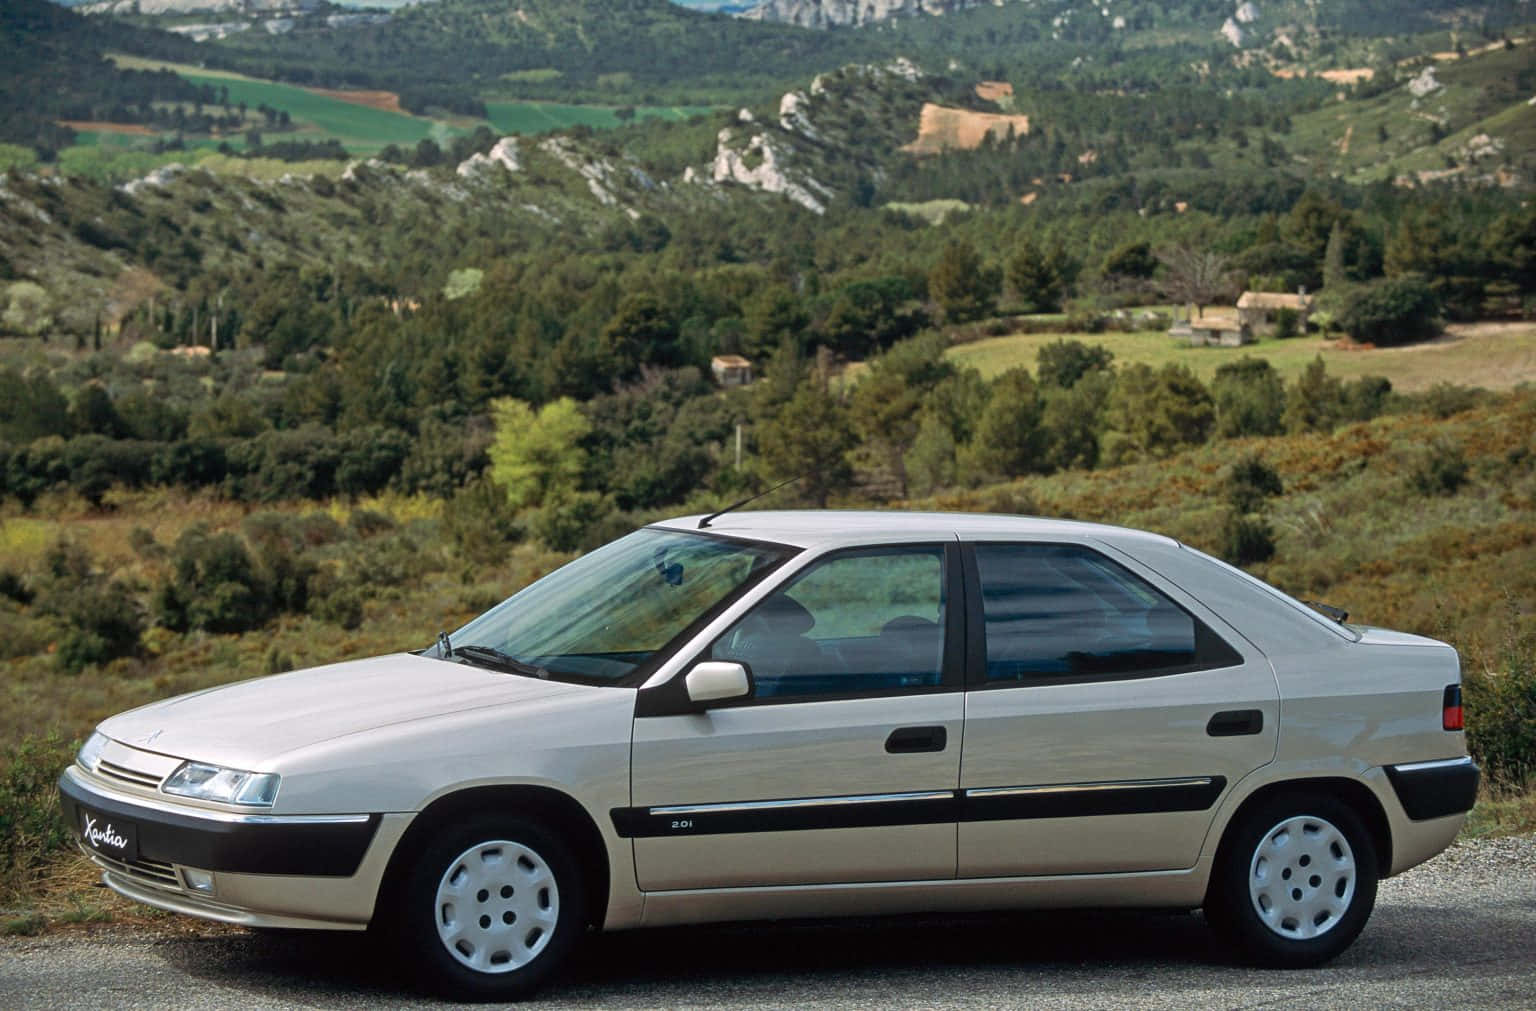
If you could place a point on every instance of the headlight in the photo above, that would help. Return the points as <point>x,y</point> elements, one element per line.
<point>226,786</point>
<point>90,752</point>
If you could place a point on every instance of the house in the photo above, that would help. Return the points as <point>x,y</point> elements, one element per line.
<point>1260,311</point>
<point>731,370</point>
<point>1214,331</point>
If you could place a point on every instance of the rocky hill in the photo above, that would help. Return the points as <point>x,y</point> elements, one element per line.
<point>833,13</point>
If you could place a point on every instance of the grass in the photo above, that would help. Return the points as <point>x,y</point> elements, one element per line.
<point>1504,814</point>
<point>1492,356</point>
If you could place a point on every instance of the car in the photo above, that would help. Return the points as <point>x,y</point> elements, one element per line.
<point>757,715</point>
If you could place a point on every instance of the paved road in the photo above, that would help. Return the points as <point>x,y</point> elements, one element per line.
<point>1459,932</point>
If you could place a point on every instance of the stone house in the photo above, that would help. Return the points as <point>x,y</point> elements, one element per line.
<point>731,370</point>
<point>1259,311</point>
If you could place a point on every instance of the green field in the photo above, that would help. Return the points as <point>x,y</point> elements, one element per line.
<point>542,117</point>
<point>364,130</point>
<point>1492,356</point>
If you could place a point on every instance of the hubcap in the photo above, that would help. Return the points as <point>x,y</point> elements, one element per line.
<point>1302,878</point>
<point>497,906</point>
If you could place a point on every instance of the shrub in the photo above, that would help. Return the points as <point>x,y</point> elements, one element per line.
<point>30,826</point>
<point>1249,482</point>
<point>1393,310</point>
<point>214,587</point>
<point>1501,718</point>
<point>1438,469</point>
<point>1246,540</point>
<point>1250,398</point>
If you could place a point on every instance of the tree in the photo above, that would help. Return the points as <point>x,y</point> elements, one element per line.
<point>1315,401</point>
<point>535,455</point>
<point>886,402</point>
<point>1197,276</point>
<point>1249,397</point>
<point>1391,310</point>
<point>1040,276</point>
<point>1133,259</point>
<point>1062,363</point>
<point>1155,413</point>
<point>1334,277</point>
<point>1009,440</point>
<point>810,438</point>
<point>964,287</point>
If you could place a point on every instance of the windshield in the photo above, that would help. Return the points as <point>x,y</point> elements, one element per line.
<point>606,613</point>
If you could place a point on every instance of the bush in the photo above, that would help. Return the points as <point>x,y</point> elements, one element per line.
<point>1249,482</point>
<point>1438,469</point>
<point>1393,310</point>
<point>215,586</point>
<point>1287,323</point>
<point>1501,718</point>
<point>30,826</point>
<point>1250,398</point>
<point>1246,540</point>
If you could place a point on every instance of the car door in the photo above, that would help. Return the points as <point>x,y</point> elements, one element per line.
<point>842,765</point>
<point>1106,716</point>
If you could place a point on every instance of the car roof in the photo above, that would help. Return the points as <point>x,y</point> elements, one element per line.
<point>825,528</point>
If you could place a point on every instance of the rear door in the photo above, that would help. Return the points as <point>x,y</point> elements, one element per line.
<point>843,765</point>
<point>1106,715</point>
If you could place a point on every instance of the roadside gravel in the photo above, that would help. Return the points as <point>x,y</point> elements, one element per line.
<point>1457,932</point>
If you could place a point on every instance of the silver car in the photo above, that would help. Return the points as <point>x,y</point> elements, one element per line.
<point>784,714</point>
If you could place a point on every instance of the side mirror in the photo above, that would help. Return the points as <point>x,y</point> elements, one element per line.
<point>717,681</point>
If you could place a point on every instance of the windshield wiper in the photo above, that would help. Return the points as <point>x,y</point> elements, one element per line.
<point>488,656</point>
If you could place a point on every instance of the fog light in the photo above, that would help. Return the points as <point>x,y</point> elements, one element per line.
<point>198,881</point>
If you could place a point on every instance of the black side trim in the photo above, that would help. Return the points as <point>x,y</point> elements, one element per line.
<point>1236,723</point>
<point>642,823</point>
<point>1436,791</point>
<point>309,850</point>
<point>1075,801</point>
<point>1093,802</point>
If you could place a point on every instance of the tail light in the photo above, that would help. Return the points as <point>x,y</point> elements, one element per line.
<point>1450,714</point>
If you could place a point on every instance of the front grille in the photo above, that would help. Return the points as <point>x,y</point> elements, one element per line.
<point>123,774</point>
<point>152,872</point>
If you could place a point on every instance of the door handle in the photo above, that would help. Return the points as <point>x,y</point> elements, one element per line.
<point>913,740</point>
<point>1235,723</point>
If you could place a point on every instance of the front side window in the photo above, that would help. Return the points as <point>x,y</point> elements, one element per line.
<point>608,612</point>
<point>1061,612</point>
<point>858,623</point>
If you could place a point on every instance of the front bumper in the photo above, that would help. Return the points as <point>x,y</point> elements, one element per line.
<point>318,871</point>
<point>312,846</point>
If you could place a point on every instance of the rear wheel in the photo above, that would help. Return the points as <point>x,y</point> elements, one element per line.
<point>1295,881</point>
<point>490,909</point>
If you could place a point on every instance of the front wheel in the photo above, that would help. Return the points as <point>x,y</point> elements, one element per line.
<point>1296,881</point>
<point>490,909</point>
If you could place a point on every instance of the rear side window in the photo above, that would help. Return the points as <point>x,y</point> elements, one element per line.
<point>1056,612</point>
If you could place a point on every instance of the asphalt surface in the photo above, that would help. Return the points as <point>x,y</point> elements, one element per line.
<point>1459,932</point>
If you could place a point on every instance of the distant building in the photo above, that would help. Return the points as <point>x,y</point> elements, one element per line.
<point>1259,310</point>
<point>1214,331</point>
<point>731,370</point>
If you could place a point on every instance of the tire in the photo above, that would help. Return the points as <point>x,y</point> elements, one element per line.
<point>490,909</point>
<point>1295,881</point>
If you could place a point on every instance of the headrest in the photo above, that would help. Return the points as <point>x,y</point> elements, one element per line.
<point>784,615</point>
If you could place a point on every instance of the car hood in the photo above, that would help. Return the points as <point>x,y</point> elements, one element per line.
<point>251,723</point>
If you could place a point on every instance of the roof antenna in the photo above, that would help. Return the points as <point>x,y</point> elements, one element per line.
<point>746,501</point>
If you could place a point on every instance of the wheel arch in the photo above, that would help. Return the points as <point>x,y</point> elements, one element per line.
<point>1352,793</point>
<point>561,812</point>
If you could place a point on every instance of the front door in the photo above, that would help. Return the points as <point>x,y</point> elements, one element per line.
<point>843,764</point>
